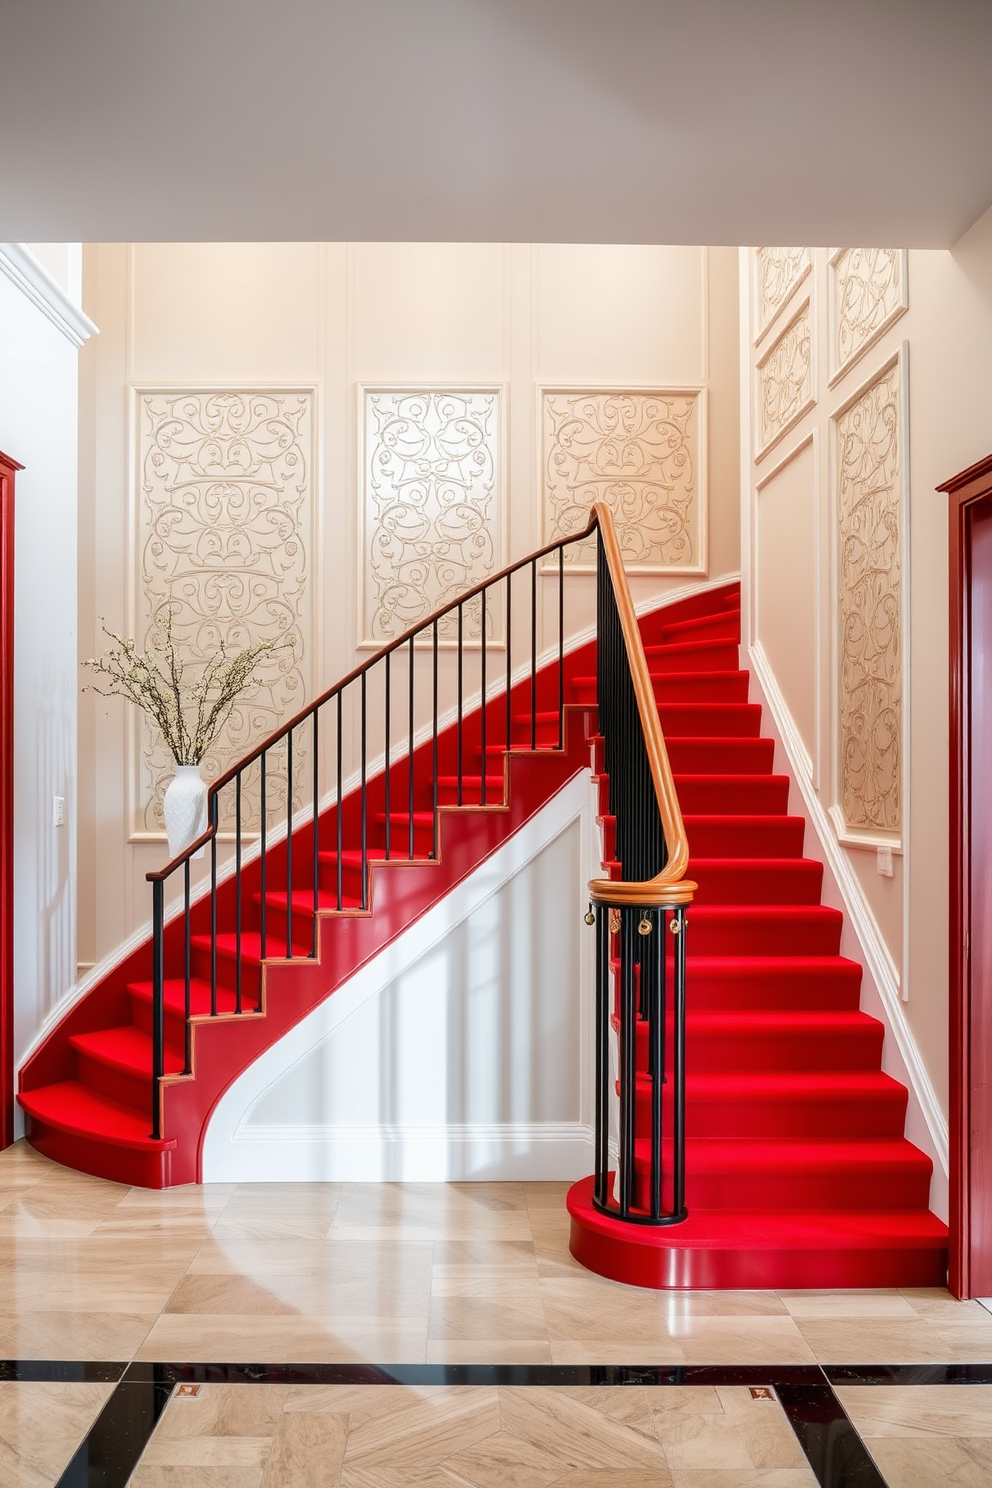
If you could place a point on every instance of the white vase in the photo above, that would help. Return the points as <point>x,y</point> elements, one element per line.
<point>185,809</point>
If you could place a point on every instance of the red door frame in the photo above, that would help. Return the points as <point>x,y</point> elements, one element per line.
<point>970,1273</point>
<point>8,470</point>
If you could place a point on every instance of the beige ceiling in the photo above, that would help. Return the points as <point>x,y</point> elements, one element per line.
<point>721,121</point>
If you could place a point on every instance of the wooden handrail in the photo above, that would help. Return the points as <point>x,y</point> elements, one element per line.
<point>670,887</point>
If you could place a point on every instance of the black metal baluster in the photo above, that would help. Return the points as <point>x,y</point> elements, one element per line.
<point>434,766</point>
<point>460,690</point>
<point>263,825</point>
<point>389,656</point>
<point>365,800</point>
<point>316,831</point>
<point>158,1002</point>
<point>561,645</point>
<point>482,598</point>
<point>509,663</point>
<point>628,1060</point>
<point>339,811</point>
<point>289,845</point>
<point>237,892</point>
<point>187,969</point>
<point>410,782</point>
<point>678,1071</point>
<point>213,907</point>
<point>533,653</point>
<point>655,958</point>
<point>602,1134</point>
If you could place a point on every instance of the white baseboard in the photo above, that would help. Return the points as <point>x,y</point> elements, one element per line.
<point>514,1152</point>
<point>926,1124</point>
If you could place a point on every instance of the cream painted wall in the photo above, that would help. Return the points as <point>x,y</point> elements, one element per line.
<point>331,316</point>
<point>38,407</point>
<point>947,333</point>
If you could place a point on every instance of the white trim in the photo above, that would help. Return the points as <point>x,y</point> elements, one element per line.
<point>234,1151</point>
<point>45,293</point>
<point>926,1124</point>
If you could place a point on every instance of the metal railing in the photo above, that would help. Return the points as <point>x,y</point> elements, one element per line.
<point>377,744</point>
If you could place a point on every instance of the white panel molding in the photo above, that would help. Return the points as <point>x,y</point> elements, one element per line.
<point>785,379</point>
<point>884,299</point>
<point>776,274</point>
<point>423,552</point>
<point>926,1124</point>
<point>809,759</point>
<point>236,1151</point>
<point>871,836</point>
<point>643,451</point>
<point>279,595</point>
<point>46,294</point>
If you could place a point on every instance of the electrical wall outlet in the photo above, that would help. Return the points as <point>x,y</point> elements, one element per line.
<point>58,811</point>
<point>884,861</point>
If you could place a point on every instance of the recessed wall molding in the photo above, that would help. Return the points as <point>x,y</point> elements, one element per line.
<point>642,451</point>
<point>869,503</point>
<point>223,519</point>
<point>868,290</point>
<point>777,273</point>
<point>784,381</point>
<point>432,507</point>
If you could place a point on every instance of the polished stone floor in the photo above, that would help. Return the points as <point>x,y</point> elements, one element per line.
<point>433,1275</point>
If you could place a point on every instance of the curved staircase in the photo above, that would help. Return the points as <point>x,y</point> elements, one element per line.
<point>798,1172</point>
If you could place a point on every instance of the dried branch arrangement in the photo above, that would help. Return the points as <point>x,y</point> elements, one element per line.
<point>191,715</point>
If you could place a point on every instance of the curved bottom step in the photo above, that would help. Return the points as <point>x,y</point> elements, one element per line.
<point>730,1250</point>
<point>79,1128</point>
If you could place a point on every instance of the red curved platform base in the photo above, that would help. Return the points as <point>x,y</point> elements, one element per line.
<point>731,1249</point>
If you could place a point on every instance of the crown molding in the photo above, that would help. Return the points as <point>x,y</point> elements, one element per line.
<point>45,293</point>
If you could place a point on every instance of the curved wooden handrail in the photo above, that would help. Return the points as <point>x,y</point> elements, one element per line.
<point>670,887</point>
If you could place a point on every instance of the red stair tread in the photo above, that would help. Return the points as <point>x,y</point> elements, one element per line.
<point>75,1108</point>
<point>199,997</point>
<point>126,1048</point>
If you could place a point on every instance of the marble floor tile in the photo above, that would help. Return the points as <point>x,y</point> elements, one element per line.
<point>919,1410</point>
<point>873,1341</point>
<point>511,1314</point>
<point>748,1477</point>
<point>847,1304</point>
<point>489,1351</point>
<point>238,1295</point>
<point>284,1339</point>
<point>424,1430</point>
<point>580,1431</point>
<point>614,1350</point>
<point>307,1451</point>
<point>936,1303</point>
<point>225,1410</point>
<point>742,1340</point>
<point>71,1335</point>
<point>923,1461</point>
<point>41,1425</point>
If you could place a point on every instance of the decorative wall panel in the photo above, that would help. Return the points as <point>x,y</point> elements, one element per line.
<point>777,273</point>
<point>869,513</point>
<point>224,520</point>
<point>639,452</point>
<point>868,293</point>
<point>432,506</point>
<point>785,380</point>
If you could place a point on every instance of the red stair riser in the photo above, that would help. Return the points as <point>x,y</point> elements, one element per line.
<point>710,720</point>
<point>799,930</point>
<point>856,1044</point>
<point>879,1116</point>
<point>756,881</point>
<point>772,984</point>
<point>877,1185</point>
<point>118,1164</point>
<point>733,795</point>
<point>745,836</point>
<point>693,656</point>
<point>714,755</point>
<point>680,687</point>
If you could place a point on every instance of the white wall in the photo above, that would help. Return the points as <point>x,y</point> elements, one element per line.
<point>791,578</point>
<point>328,317</point>
<point>39,337</point>
<point>462,1051</point>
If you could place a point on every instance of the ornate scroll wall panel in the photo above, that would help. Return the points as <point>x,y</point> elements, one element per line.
<point>643,452</point>
<point>869,469</point>
<point>869,291</point>
<point>777,272</point>
<point>784,381</point>
<point>224,514</point>
<point>432,507</point>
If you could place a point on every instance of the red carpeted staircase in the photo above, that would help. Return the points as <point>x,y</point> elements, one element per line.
<point>798,1173</point>
<point>798,1170</point>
